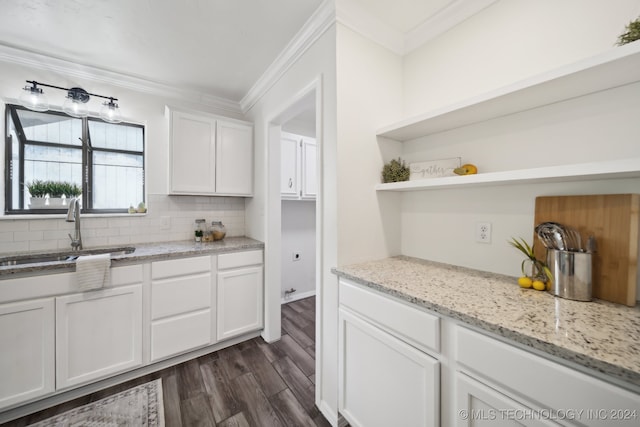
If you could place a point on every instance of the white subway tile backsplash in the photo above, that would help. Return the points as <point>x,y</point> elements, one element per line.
<point>50,233</point>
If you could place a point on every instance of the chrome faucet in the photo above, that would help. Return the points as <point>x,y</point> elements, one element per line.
<point>73,215</point>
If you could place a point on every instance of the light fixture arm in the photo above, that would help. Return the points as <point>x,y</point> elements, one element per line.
<point>74,89</point>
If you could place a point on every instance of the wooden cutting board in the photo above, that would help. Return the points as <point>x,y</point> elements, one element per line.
<point>614,221</point>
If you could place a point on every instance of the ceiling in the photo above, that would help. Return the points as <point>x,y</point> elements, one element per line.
<point>217,47</point>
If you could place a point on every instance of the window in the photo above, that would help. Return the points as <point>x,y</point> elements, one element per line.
<point>105,160</point>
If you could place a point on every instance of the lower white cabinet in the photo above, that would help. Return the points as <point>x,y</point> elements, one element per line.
<point>98,334</point>
<point>383,380</point>
<point>479,405</point>
<point>27,360</point>
<point>240,293</point>
<point>181,306</point>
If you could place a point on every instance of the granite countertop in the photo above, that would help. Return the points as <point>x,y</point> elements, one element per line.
<point>598,335</point>
<point>143,252</point>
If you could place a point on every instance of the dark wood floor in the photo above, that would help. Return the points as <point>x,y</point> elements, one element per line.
<point>250,384</point>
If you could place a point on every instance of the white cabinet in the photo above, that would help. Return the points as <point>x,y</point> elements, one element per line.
<point>479,405</point>
<point>98,334</point>
<point>181,306</point>
<point>209,155</point>
<point>27,360</point>
<point>385,377</point>
<point>383,380</point>
<point>239,293</point>
<point>298,167</point>
<point>541,384</point>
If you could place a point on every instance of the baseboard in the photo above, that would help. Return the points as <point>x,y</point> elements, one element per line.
<point>297,296</point>
<point>329,414</point>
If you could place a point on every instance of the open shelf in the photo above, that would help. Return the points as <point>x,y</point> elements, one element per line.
<point>614,68</point>
<point>626,168</point>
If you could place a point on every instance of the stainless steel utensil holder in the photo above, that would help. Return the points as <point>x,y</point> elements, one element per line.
<point>572,274</point>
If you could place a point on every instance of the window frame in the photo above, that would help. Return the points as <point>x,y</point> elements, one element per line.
<point>11,114</point>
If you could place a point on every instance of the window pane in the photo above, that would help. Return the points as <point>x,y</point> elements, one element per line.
<point>15,166</point>
<point>118,180</point>
<point>47,127</point>
<point>52,164</point>
<point>115,136</point>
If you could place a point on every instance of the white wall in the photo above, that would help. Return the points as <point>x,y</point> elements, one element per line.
<point>298,236</point>
<point>316,68</point>
<point>51,232</point>
<point>506,42</point>
<point>509,41</point>
<point>369,95</point>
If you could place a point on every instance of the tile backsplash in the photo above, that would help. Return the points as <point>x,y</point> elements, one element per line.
<point>19,235</point>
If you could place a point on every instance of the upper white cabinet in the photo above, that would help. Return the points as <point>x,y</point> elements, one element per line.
<point>607,71</point>
<point>298,167</point>
<point>209,155</point>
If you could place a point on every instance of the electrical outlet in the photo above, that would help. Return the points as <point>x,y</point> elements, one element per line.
<point>296,256</point>
<point>483,232</point>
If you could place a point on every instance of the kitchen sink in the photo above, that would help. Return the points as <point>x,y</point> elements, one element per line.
<point>62,256</point>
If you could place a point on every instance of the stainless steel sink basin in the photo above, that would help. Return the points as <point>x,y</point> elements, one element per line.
<point>62,256</point>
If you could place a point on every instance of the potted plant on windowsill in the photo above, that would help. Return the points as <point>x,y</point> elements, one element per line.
<point>38,190</point>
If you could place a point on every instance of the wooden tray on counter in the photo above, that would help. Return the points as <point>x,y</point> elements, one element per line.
<point>614,220</point>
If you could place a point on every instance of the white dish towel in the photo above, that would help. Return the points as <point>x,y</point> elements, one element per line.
<point>93,271</point>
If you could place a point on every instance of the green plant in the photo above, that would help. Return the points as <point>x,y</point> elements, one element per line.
<point>631,34</point>
<point>38,188</point>
<point>395,171</point>
<point>539,269</point>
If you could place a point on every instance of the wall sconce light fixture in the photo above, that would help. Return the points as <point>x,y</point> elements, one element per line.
<point>75,105</point>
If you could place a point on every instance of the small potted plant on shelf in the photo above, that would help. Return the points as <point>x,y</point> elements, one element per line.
<point>395,171</point>
<point>631,34</point>
<point>60,192</point>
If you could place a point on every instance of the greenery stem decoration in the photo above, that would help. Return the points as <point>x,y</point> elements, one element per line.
<point>539,269</point>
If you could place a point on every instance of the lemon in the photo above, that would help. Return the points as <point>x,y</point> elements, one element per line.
<point>466,169</point>
<point>538,285</point>
<point>525,282</point>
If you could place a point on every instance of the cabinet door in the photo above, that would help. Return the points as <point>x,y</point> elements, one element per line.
<point>479,405</point>
<point>382,380</point>
<point>239,302</point>
<point>192,154</point>
<point>27,356</point>
<point>234,159</point>
<point>308,169</point>
<point>98,333</point>
<point>289,166</point>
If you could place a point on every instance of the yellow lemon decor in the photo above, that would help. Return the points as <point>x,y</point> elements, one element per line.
<point>536,274</point>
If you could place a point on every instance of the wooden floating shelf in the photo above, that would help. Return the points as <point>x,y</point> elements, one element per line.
<point>626,168</point>
<point>614,68</point>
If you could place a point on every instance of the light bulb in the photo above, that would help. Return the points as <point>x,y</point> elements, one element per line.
<point>110,112</point>
<point>34,99</point>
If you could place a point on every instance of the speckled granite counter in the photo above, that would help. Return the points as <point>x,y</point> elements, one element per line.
<point>598,335</point>
<point>143,252</point>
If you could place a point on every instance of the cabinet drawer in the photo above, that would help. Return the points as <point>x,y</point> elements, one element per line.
<point>180,334</point>
<point>413,325</point>
<point>180,295</point>
<point>180,267</point>
<point>239,259</point>
<point>542,381</point>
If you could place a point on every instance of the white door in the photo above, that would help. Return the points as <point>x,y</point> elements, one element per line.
<point>382,380</point>
<point>239,302</point>
<point>289,166</point>
<point>234,159</point>
<point>98,333</point>
<point>308,169</point>
<point>27,360</point>
<point>479,405</point>
<point>192,154</point>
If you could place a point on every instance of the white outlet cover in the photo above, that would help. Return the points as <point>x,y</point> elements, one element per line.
<point>483,232</point>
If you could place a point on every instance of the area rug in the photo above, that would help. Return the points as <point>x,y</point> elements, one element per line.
<point>138,406</point>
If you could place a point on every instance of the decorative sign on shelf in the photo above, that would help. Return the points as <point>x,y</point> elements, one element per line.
<point>433,168</point>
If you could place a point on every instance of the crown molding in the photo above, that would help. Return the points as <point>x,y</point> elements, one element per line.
<point>321,20</point>
<point>359,19</point>
<point>447,18</point>
<point>40,61</point>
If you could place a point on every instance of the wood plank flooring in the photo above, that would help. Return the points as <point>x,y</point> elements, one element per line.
<point>250,384</point>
